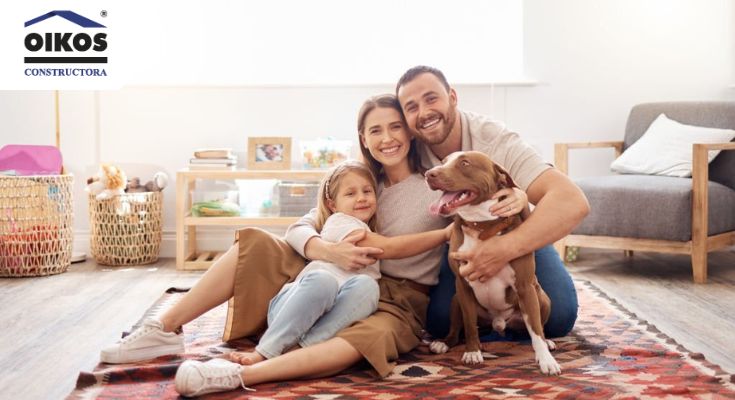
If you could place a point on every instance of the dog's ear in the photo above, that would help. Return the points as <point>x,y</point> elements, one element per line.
<point>504,179</point>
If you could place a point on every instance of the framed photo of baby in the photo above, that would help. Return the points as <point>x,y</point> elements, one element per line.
<point>269,153</point>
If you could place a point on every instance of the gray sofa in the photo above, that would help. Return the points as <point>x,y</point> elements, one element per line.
<point>660,213</point>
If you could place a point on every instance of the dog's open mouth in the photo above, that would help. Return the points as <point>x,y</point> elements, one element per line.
<point>450,201</point>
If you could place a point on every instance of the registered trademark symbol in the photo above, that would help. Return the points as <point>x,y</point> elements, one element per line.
<point>103,13</point>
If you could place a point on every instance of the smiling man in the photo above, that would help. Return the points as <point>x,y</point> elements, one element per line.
<point>430,107</point>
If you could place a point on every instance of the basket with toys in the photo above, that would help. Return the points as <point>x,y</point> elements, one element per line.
<point>125,217</point>
<point>35,225</point>
<point>36,212</point>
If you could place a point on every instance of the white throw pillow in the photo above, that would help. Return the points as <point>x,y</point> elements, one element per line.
<point>666,148</point>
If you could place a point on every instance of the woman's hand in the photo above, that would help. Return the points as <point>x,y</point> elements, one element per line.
<point>514,202</point>
<point>348,256</point>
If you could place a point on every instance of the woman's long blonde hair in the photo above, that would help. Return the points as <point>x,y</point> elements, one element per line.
<point>330,186</point>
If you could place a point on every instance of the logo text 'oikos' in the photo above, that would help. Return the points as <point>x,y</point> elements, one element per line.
<point>66,47</point>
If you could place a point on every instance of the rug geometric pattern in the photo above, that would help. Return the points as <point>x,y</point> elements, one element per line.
<point>609,354</point>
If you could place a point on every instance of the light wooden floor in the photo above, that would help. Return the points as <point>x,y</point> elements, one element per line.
<point>659,289</point>
<point>53,327</point>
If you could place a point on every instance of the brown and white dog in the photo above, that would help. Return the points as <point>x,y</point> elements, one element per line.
<point>513,297</point>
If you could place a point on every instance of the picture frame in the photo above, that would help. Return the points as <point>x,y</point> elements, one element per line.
<point>269,153</point>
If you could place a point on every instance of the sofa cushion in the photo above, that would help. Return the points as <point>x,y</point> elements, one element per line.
<point>713,114</point>
<point>651,207</point>
<point>666,148</point>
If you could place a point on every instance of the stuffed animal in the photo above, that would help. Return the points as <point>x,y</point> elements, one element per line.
<point>134,186</point>
<point>160,181</point>
<point>109,182</point>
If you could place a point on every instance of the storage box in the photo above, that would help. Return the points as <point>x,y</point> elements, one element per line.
<point>258,197</point>
<point>224,203</point>
<point>297,198</point>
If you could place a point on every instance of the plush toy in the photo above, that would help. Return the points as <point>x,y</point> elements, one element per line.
<point>109,182</point>
<point>134,186</point>
<point>160,181</point>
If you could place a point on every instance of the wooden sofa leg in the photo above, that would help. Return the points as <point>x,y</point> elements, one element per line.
<point>699,263</point>
<point>628,253</point>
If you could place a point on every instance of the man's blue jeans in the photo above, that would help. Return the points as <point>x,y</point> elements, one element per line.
<point>553,278</point>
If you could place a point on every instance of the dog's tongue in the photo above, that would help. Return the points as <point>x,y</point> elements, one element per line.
<point>437,207</point>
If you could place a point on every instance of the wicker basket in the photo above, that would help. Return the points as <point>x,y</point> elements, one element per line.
<point>126,230</point>
<point>36,217</point>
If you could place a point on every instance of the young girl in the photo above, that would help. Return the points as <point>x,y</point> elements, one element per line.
<point>324,298</point>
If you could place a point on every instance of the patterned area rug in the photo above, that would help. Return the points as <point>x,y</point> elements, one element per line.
<point>609,354</point>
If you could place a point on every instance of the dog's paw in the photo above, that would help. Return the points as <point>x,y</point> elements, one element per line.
<point>548,365</point>
<point>438,347</point>
<point>551,344</point>
<point>472,357</point>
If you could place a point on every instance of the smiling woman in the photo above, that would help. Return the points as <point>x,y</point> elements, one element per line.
<point>325,42</point>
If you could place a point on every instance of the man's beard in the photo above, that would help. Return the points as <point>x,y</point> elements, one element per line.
<point>440,137</point>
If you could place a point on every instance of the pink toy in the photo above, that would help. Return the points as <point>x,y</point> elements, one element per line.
<point>26,159</point>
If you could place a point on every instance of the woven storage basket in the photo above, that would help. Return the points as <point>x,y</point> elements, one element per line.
<point>126,229</point>
<point>36,216</point>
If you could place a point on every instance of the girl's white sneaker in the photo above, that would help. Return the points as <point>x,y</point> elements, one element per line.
<point>195,378</point>
<point>147,342</point>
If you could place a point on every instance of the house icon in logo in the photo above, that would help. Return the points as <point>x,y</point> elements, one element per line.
<point>70,16</point>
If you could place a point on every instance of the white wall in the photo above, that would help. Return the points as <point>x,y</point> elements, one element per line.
<point>597,58</point>
<point>594,59</point>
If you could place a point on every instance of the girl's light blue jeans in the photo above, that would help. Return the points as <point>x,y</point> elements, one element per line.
<point>553,277</point>
<point>314,309</point>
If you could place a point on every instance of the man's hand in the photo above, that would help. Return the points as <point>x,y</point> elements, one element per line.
<point>448,231</point>
<point>350,257</point>
<point>486,259</point>
<point>514,202</point>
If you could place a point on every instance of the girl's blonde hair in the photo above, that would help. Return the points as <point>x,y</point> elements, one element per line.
<point>384,101</point>
<point>330,186</point>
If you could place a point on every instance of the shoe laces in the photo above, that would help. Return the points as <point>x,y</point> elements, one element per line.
<point>224,376</point>
<point>143,330</point>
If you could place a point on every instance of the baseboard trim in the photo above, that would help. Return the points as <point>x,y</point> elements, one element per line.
<point>219,239</point>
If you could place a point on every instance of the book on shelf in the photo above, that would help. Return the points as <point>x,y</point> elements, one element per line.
<point>213,153</point>
<point>220,161</point>
<point>212,167</point>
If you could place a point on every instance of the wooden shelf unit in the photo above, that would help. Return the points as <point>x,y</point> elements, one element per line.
<point>188,257</point>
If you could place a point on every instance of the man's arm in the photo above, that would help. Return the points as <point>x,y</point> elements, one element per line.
<point>560,206</point>
<point>304,238</point>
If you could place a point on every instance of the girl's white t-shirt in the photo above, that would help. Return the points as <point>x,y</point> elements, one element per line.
<point>337,226</point>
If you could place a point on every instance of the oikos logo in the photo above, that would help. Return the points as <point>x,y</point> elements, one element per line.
<point>57,42</point>
<point>84,45</point>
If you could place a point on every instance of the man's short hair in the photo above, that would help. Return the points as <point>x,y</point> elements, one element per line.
<point>412,73</point>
